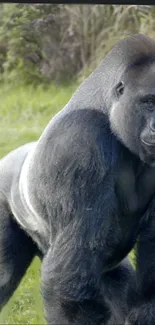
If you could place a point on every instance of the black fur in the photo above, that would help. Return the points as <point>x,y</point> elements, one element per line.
<point>83,193</point>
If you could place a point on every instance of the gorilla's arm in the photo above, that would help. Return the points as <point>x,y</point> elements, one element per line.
<point>88,217</point>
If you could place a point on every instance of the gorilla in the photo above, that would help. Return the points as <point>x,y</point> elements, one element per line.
<point>82,196</point>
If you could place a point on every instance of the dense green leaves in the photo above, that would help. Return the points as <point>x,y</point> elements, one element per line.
<point>44,42</point>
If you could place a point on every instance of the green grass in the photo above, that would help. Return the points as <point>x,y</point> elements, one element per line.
<point>24,113</point>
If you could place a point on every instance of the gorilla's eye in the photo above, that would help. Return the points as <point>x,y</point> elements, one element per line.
<point>149,102</point>
<point>120,89</point>
<point>150,105</point>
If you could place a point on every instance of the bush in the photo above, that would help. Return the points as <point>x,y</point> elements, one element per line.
<point>45,42</point>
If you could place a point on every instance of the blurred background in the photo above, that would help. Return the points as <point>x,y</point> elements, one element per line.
<point>46,50</point>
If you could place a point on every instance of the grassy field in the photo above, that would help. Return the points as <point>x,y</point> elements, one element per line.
<point>24,113</point>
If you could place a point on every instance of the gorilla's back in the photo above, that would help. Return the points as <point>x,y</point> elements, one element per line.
<point>10,166</point>
<point>10,171</point>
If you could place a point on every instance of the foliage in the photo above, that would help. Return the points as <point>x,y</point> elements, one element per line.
<point>44,42</point>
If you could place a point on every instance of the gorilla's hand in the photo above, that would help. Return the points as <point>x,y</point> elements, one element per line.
<point>144,315</point>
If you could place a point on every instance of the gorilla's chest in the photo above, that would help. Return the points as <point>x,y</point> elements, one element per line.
<point>122,230</point>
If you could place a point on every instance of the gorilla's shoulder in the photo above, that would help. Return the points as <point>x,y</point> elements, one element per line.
<point>81,123</point>
<point>81,136</point>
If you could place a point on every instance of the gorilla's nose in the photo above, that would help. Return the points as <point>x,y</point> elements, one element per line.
<point>152,125</point>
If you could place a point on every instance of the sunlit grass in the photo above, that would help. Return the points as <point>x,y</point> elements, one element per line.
<point>25,111</point>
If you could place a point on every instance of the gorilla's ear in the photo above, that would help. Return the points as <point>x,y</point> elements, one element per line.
<point>119,89</point>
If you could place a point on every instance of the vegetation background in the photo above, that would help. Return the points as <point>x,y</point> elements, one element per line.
<point>46,50</point>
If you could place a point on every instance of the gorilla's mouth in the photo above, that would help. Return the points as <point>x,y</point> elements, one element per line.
<point>147,138</point>
<point>149,144</point>
<point>148,152</point>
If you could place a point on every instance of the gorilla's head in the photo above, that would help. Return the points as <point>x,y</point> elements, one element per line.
<point>132,109</point>
<point>123,88</point>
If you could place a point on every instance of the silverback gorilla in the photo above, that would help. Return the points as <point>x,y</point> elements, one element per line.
<point>83,193</point>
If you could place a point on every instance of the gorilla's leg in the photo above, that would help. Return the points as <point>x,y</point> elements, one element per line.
<point>120,292</point>
<point>16,253</point>
<point>143,312</point>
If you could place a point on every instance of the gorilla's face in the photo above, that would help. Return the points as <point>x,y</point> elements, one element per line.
<point>132,114</point>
